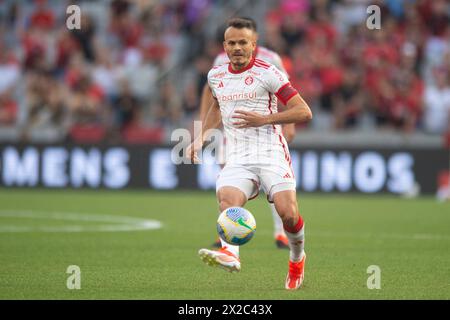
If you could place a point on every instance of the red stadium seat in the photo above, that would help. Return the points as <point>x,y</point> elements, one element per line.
<point>136,134</point>
<point>91,133</point>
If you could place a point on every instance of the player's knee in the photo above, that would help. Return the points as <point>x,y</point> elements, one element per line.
<point>228,203</point>
<point>225,204</point>
<point>229,199</point>
<point>287,211</point>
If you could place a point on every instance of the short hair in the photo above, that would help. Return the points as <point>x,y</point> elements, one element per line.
<point>253,22</point>
<point>240,23</point>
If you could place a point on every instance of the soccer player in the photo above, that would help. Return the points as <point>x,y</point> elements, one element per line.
<point>288,129</point>
<point>245,95</point>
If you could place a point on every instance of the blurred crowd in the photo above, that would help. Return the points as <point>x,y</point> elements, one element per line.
<point>136,68</point>
<point>396,77</point>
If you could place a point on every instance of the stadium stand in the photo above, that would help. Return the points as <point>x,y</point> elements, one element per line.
<point>135,69</point>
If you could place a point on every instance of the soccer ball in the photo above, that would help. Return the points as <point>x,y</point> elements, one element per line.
<point>236,226</point>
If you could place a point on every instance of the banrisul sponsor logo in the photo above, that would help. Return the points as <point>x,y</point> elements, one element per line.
<point>238,96</point>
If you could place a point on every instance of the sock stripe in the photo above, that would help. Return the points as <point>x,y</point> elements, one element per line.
<point>298,226</point>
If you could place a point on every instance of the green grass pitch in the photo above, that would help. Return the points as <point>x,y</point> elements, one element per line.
<point>408,239</point>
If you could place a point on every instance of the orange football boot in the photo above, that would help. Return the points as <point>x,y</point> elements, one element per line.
<point>296,274</point>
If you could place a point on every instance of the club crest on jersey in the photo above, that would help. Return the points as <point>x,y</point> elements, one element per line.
<point>249,80</point>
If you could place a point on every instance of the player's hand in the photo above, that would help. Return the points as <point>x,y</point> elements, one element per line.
<point>192,151</point>
<point>248,119</point>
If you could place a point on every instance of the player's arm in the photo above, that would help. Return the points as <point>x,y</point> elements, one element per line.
<point>206,102</point>
<point>297,111</point>
<point>207,98</point>
<point>212,120</point>
<point>288,129</point>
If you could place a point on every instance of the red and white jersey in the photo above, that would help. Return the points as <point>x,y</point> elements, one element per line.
<point>260,53</point>
<point>255,88</point>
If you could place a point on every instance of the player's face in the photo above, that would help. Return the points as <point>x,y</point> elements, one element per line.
<point>239,45</point>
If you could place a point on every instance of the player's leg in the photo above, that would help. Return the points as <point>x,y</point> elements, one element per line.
<point>281,240</point>
<point>227,257</point>
<point>286,204</point>
<point>228,197</point>
<point>280,188</point>
<point>235,186</point>
<point>220,158</point>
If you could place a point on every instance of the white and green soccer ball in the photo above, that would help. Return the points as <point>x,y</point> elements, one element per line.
<point>236,226</point>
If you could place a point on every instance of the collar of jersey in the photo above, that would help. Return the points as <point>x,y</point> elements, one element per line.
<point>249,66</point>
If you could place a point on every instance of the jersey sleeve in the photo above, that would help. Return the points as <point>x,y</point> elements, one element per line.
<point>277,83</point>
<point>210,83</point>
<point>277,62</point>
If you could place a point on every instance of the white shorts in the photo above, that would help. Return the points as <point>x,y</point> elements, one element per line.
<point>220,151</point>
<point>249,179</point>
